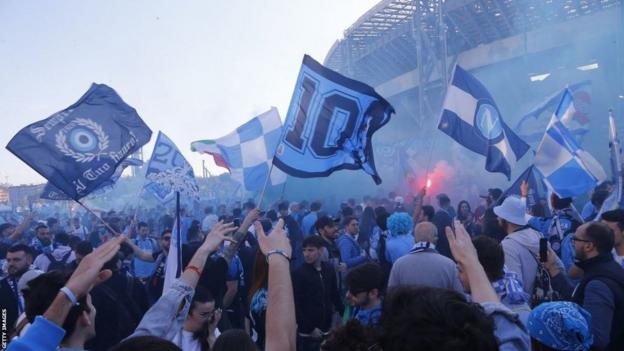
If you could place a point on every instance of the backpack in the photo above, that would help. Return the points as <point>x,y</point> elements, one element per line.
<point>542,288</point>
<point>58,265</point>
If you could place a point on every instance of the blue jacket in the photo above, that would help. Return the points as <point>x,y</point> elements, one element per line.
<point>350,251</point>
<point>42,335</point>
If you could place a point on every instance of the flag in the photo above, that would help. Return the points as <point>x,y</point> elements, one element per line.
<point>532,125</point>
<point>470,116</point>
<point>80,147</point>
<point>537,188</point>
<point>50,192</point>
<point>168,171</point>
<point>330,124</point>
<point>173,265</point>
<point>614,199</point>
<point>568,170</point>
<point>248,151</point>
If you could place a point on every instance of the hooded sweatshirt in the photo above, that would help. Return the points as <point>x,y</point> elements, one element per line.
<point>522,255</point>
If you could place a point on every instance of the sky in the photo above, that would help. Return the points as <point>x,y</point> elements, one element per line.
<point>192,69</point>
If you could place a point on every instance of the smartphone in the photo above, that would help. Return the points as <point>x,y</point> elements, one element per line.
<point>543,250</point>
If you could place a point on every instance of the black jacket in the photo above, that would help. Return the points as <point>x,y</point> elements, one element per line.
<point>316,296</point>
<point>8,303</point>
<point>606,270</point>
<point>214,274</point>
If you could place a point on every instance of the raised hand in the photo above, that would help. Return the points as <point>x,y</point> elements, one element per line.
<point>277,240</point>
<point>217,235</point>
<point>461,245</point>
<point>251,217</point>
<point>89,273</point>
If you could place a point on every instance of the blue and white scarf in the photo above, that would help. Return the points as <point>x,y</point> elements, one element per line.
<point>423,246</point>
<point>510,287</point>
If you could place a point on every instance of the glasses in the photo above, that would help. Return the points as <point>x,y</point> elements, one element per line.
<point>574,238</point>
<point>166,238</point>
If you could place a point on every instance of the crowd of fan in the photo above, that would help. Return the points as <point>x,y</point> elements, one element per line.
<point>386,274</point>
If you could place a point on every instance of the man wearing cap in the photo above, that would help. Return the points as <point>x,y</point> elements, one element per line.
<point>521,244</point>
<point>442,219</point>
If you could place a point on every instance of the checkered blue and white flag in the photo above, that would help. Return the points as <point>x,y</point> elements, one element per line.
<point>568,170</point>
<point>248,151</point>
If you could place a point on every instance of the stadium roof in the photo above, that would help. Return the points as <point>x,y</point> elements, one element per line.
<point>383,42</point>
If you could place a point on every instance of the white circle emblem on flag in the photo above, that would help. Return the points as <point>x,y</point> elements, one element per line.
<point>83,140</point>
<point>488,121</point>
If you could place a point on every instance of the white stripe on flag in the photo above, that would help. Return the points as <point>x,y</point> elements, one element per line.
<point>171,267</point>
<point>507,151</point>
<point>551,156</point>
<point>461,103</point>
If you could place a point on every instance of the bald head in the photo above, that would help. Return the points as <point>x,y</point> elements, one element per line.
<point>426,231</point>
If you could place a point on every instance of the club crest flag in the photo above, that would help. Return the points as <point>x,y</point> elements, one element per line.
<point>330,124</point>
<point>169,172</point>
<point>80,148</point>
<point>470,116</point>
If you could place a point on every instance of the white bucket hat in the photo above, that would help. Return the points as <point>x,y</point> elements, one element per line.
<point>513,210</point>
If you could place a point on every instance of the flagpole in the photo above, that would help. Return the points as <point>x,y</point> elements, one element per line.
<point>98,217</point>
<point>266,182</point>
<point>178,233</point>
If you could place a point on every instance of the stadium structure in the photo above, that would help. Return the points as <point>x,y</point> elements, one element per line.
<point>522,50</point>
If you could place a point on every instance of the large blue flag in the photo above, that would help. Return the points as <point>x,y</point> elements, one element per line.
<point>50,192</point>
<point>330,124</point>
<point>169,172</point>
<point>568,170</point>
<point>79,148</point>
<point>470,116</point>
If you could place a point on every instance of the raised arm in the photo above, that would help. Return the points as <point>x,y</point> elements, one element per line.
<point>281,324</point>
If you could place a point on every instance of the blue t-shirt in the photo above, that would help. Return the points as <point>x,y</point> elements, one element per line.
<point>369,317</point>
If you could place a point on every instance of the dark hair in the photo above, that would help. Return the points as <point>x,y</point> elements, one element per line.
<point>365,278</point>
<point>5,226</point>
<point>202,295</point>
<point>382,220</point>
<point>426,318</point>
<point>20,247</point>
<point>560,203</point>
<point>193,232</point>
<point>165,231</point>
<point>347,212</point>
<point>352,336</point>
<point>282,206</point>
<point>459,205</point>
<point>598,197</point>
<point>428,211</point>
<point>43,290</point>
<point>616,216</point>
<point>145,343</point>
<point>208,210</point>
<point>61,239</point>
<point>237,212</point>
<point>39,226</point>
<point>315,206</point>
<point>141,225</point>
<point>272,215</point>
<point>51,221</point>
<point>323,222</point>
<point>313,241</point>
<point>347,220</point>
<point>538,210</point>
<point>491,256</point>
<point>249,205</point>
<point>601,235</point>
<point>234,339</point>
<point>84,248</point>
